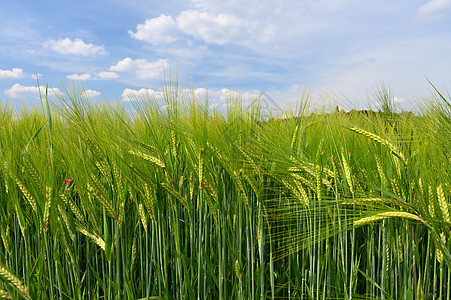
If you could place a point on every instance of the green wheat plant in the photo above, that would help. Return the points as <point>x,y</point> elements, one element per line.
<point>174,199</point>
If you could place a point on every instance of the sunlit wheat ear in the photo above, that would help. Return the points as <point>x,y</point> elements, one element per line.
<point>443,204</point>
<point>174,144</point>
<point>4,294</point>
<point>149,158</point>
<point>201,168</point>
<point>303,194</point>
<point>171,191</point>
<point>4,236</point>
<point>120,194</point>
<point>32,171</point>
<point>308,183</point>
<point>398,167</point>
<point>238,269</point>
<point>97,190</point>
<point>48,205</point>
<point>386,215</point>
<point>431,202</point>
<point>73,207</point>
<point>294,138</point>
<point>396,188</point>
<point>438,251</point>
<point>347,172</point>
<point>65,218</point>
<point>142,216</point>
<point>381,141</point>
<point>148,199</point>
<point>96,239</point>
<point>13,280</point>
<point>240,187</point>
<point>252,182</point>
<point>104,169</point>
<point>27,194</point>
<point>255,169</point>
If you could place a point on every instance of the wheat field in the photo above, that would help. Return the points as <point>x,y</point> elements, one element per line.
<point>188,202</point>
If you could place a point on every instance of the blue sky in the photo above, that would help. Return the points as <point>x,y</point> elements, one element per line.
<point>337,49</point>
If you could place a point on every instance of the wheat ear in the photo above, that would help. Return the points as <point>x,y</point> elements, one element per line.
<point>380,140</point>
<point>386,215</point>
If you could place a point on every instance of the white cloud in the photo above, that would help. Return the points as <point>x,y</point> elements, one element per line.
<point>226,95</point>
<point>142,68</point>
<point>92,93</point>
<point>79,77</point>
<point>19,91</point>
<point>132,95</point>
<point>212,28</point>
<point>433,10</point>
<point>107,75</point>
<point>124,65</point>
<point>156,31</point>
<point>75,47</point>
<point>12,74</point>
<point>199,93</point>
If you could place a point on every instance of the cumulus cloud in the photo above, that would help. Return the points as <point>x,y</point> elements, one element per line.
<point>142,68</point>
<point>124,65</point>
<point>79,77</point>
<point>205,25</point>
<point>158,30</point>
<point>227,95</point>
<point>19,91</point>
<point>199,93</point>
<point>12,74</point>
<point>92,93</point>
<point>107,75</point>
<point>433,10</point>
<point>132,95</point>
<point>75,47</point>
<point>212,28</point>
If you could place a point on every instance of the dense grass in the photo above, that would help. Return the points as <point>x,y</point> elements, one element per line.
<point>184,202</point>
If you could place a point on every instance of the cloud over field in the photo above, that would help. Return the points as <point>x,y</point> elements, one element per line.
<point>12,74</point>
<point>21,91</point>
<point>92,93</point>
<point>141,94</point>
<point>79,77</point>
<point>160,30</point>
<point>104,75</point>
<point>141,68</point>
<point>74,47</point>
